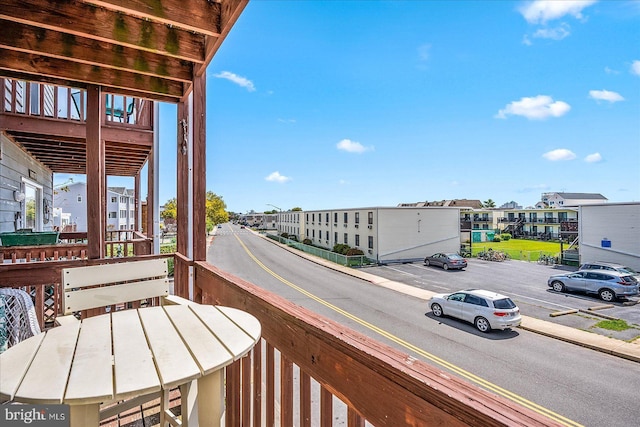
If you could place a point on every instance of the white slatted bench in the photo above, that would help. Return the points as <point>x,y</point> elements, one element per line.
<point>107,285</point>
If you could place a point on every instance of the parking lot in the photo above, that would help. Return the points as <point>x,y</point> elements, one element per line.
<point>526,284</point>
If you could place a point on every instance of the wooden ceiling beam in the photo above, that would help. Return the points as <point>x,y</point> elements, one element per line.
<point>34,40</point>
<point>67,130</point>
<point>193,15</point>
<point>86,20</point>
<point>112,80</point>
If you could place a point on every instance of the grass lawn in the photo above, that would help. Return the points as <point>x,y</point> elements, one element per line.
<point>528,250</point>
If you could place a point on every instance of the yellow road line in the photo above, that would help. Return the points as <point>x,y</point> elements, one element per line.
<point>463,373</point>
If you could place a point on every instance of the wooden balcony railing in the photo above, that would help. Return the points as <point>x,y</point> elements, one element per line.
<point>376,384</point>
<point>307,365</point>
<point>119,243</point>
<point>64,103</point>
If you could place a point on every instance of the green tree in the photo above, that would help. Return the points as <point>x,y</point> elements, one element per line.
<point>170,209</point>
<point>489,204</point>
<point>216,210</point>
<point>296,209</point>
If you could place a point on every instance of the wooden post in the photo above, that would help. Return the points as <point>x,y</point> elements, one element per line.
<point>181,270</point>
<point>199,169</point>
<point>96,191</point>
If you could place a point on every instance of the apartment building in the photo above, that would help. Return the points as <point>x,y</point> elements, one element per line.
<point>71,202</point>
<point>384,234</point>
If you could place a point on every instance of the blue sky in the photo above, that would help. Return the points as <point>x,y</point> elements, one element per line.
<point>339,104</point>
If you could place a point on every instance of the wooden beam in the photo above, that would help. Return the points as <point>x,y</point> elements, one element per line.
<point>59,45</point>
<point>39,66</point>
<point>181,270</point>
<point>95,175</point>
<point>85,20</point>
<point>199,197</point>
<point>193,15</point>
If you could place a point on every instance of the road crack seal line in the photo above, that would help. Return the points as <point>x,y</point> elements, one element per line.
<point>435,359</point>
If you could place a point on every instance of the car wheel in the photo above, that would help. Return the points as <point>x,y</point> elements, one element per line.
<point>558,286</point>
<point>607,295</point>
<point>482,324</point>
<point>436,310</point>
<point>445,266</point>
<point>426,262</point>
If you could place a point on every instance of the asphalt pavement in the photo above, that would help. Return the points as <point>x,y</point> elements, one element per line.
<point>566,328</point>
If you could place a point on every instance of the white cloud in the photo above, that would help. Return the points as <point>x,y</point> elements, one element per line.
<point>287,120</point>
<point>276,177</point>
<point>535,108</point>
<point>610,71</point>
<point>557,33</point>
<point>352,146</point>
<point>635,68</point>
<point>542,11</point>
<point>239,80</point>
<point>605,95</point>
<point>424,52</point>
<point>559,154</point>
<point>593,158</point>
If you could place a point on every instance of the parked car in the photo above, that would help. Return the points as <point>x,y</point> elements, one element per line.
<point>487,310</point>
<point>609,285</point>
<point>599,265</point>
<point>446,261</point>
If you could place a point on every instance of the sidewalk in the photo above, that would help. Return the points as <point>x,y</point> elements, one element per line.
<point>615,347</point>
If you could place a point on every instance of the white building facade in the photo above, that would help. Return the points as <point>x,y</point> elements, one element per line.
<point>71,202</point>
<point>384,234</point>
<point>610,232</point>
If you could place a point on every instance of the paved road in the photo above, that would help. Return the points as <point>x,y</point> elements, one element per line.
<point>583,386</point>
<point>526,284</point>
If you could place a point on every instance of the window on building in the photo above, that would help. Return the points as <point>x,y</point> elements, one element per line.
<point>113,215</point>
<point>357,240</point>
<point>346,217</point>
<point>320,234</point>
<point>79,199</point>
<point>313,217</point>
<point>326,217</point>
<point>123,213</point>
<point>335,218</point>
<point>370,218</point>
<point>346,239</point>
<point>335,236</point>
<point>357,219</point>
<point>114,199</point>
<point>370,242</point>
<point>131,214</point>
<point>123,199</point>
<point>32,207</point>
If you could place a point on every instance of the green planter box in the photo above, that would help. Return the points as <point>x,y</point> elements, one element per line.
<point>28,238</point>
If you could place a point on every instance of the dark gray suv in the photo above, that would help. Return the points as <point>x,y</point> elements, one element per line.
<point>610,266</point>
<point>609,285</point>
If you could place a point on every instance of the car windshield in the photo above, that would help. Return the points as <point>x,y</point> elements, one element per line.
<point>504,304</point>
